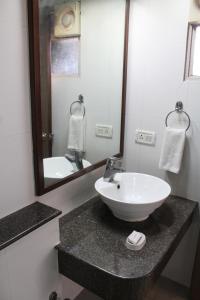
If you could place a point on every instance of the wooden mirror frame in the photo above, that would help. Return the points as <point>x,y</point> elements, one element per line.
<point>34,50</point>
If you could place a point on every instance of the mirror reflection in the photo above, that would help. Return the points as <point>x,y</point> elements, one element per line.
<point>81,70</point>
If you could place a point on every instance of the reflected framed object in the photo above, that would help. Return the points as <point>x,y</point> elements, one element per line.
<point>76,66</point>
<point>65,57</point>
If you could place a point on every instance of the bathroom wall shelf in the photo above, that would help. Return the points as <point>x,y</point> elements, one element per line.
<point>92,251</point>
<point>13,227</point>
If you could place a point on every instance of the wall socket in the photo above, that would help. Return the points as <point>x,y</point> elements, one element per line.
<point>145,137</point>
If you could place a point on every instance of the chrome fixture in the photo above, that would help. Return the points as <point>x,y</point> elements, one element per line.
<point>47,136</point>
<point>113,166</point>
<point>79,101</point>
<point>77,158</point>
<point>178,109</point>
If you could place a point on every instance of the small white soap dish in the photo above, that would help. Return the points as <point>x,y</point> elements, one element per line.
<point>135,241</point>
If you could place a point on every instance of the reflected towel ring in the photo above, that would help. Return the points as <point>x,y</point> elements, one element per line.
<point>179,109</point>
<point>79,101</point>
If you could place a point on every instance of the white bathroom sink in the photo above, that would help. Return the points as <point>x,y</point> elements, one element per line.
<point>135,196</point>
<point>59,167</point>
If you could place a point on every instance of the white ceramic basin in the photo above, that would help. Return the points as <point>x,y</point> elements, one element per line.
<point>138,196</point>
<point>59,167</point>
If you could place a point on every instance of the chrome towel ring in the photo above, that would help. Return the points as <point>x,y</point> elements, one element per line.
<point>179,109</point>
<point>79,101</point>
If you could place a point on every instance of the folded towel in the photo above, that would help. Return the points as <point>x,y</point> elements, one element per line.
<point>76,138</point>
<point>172,150</point>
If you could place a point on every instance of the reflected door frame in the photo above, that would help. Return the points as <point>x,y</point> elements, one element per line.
<point>46,103</point>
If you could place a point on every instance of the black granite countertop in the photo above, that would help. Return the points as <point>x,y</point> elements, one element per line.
<point>92,251</point>
<point>20,223</point>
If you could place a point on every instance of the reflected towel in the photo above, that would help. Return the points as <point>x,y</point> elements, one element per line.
<point>172,150</point>
<point>76,133</point>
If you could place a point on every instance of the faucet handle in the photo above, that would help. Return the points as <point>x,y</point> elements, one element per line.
<point>112,160</point>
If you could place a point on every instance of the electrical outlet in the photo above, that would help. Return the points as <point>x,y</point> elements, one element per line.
<point>104,131</point>
<point>145,137</point>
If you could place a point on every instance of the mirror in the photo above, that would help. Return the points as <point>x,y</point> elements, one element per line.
<point>78,60</point>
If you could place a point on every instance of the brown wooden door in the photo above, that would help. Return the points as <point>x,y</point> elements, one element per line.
<point>45,74</point>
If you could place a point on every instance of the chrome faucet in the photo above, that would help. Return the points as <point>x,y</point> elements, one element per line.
<point>77,158</point>
<point>113,166</point>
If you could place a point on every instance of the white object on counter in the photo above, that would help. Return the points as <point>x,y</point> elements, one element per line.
<point>135,241</point>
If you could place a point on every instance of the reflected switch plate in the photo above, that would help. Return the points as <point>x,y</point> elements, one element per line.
<point>104,131</point>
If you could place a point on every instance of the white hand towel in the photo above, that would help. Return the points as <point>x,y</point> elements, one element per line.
<point>76,138</point>
<point>172,150</point>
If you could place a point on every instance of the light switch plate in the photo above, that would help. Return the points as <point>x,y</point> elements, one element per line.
<point>145,137</point>
<point>104,131</point>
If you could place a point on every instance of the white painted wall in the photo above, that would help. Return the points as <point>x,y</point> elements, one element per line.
<point>100,80</point>
<point>25,265</point>
<point>158,31</point>
<point>16,169</point>
<point>28,268</point>
<point>16,159</point>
